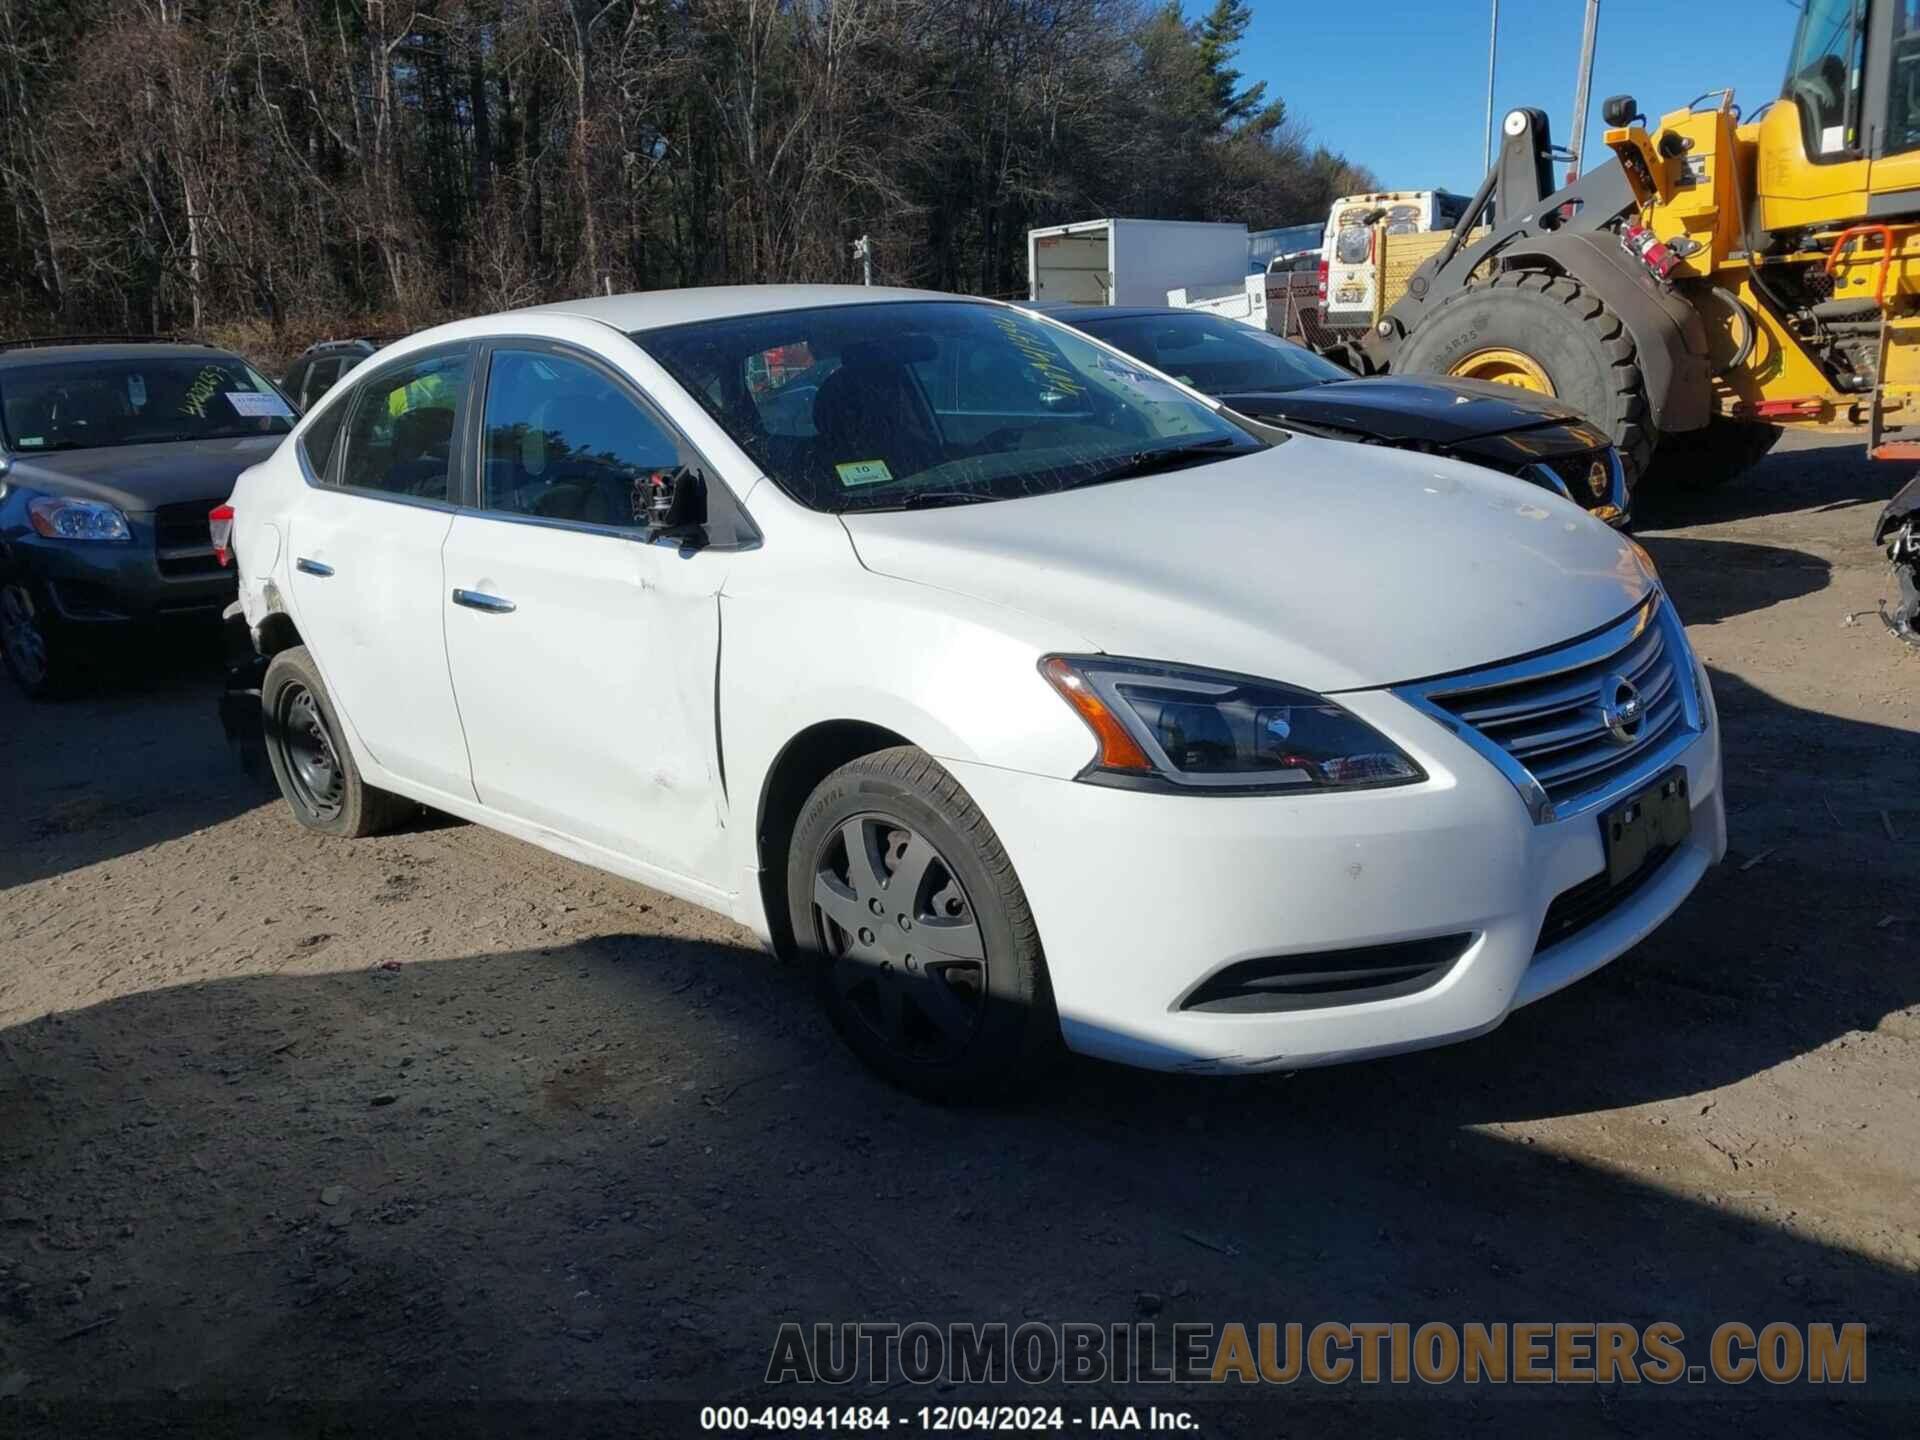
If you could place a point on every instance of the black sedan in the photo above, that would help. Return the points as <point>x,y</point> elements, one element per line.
<point>1537,438</point>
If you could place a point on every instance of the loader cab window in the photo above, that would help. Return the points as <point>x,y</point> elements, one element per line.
<point>1903,79</point>
<point>1824,75</point>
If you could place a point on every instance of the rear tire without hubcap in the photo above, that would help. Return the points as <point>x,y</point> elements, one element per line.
<point>316,771</point>
<point>927,958</point>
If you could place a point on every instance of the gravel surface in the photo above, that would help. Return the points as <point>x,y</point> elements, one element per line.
<point>304,1136</point>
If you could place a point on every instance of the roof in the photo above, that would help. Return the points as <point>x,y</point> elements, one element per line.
<point>649,309</point>
<point>34,355</point>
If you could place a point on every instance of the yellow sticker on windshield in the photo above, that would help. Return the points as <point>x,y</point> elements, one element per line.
<point>863,472</point>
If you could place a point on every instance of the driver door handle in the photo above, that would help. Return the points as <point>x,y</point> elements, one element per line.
<point>491,604</point>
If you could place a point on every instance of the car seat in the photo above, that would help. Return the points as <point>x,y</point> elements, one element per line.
<point>871,408</point>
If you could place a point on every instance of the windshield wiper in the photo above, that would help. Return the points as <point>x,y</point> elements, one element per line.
<point>1164,457</point>
<point>936,499</point>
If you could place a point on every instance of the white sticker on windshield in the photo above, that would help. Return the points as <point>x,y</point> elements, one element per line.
<point>258,405</point>
<point>863,472</point>
<point>137,391</point>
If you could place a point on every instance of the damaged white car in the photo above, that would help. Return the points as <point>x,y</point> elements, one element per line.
<point>1021,691</point>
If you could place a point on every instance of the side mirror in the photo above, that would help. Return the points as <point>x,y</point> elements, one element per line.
<point>676,504</point>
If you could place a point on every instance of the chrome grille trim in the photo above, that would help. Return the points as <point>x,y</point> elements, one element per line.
<point>1538,720</point>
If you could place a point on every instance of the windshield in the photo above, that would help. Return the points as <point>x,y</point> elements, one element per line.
<point>890,405</point>
<point>87,404</point>
<point>1219,356</point>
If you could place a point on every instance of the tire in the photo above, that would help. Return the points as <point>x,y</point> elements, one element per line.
<point>38,651</point>
<point>1707,458</point>
<point>954,1005</point>
<point>1579,343</point>
<point>311,762</point>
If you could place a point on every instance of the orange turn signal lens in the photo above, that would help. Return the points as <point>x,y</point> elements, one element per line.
<point>1118,749</point>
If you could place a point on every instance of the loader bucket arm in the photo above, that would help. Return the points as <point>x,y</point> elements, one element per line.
<point>1667,331</point>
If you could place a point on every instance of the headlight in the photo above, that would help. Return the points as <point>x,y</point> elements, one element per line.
<point>1209,731</point>
<point>59,518</point>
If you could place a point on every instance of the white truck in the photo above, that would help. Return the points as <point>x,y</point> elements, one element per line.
<point>1247,302</point>
<point>1351,285</point>
<point>1132,262</point>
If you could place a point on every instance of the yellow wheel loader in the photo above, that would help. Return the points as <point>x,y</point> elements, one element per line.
<point>1717,278</point>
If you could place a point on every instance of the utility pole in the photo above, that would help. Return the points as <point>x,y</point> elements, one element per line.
<point>863,252</point>
<point>1493,46</point>
<point>1581,89</point>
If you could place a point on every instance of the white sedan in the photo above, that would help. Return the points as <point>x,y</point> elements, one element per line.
<point>1021,691</point>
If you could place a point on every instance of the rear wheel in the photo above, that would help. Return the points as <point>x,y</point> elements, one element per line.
<point>316,772</point>
<point>1547,334</point>
<point>926,955</point>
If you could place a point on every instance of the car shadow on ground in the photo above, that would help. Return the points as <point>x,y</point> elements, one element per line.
<point>537,1188</point>
<point>357,1199</point>
<point>134,757</point>
<point>1805,477</point>
<point>1715,580</point>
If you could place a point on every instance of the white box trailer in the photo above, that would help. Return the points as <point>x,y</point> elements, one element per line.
<point>1131,262</point>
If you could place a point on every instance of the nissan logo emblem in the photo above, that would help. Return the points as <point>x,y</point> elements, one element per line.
<point>1621,708</point>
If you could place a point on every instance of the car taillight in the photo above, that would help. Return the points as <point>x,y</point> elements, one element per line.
<point>220,522</point>
<point>1323,281</point>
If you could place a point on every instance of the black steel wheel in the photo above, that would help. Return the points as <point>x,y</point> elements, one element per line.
<point>311,761</point>
<point>316,782</point>
<point>927,958</point>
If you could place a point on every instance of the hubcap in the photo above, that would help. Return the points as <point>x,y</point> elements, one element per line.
<point>313,765</point>
<point>26,647</point>
<point>1505,367</point>
<point>901,938</point>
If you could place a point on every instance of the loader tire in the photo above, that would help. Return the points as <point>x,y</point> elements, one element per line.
<point>1562,332</point>
<point>1707,458</point>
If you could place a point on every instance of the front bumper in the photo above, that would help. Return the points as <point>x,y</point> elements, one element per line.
<point>1142,898</point>
<point>115,582</point>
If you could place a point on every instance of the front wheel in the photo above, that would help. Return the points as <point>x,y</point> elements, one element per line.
<point>316,772</point>
<point>38,653</point>
<point>926,955</point>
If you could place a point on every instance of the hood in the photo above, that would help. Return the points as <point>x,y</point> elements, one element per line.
<point>1395,407</point>
<point>142,477</point>
<point>1316,563</point>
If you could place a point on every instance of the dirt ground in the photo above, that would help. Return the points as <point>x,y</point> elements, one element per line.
<point>436,1132</point>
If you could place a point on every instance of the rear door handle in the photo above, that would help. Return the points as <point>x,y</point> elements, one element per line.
<point>312,567</point>
<point>474,600</point>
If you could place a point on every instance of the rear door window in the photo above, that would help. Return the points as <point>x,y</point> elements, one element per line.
<point>405,427</point>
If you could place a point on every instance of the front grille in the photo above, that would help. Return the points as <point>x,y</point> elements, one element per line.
<point>1553,723</point>
<point>1576,471</point>
<point>1592,900</point>
<point>183,538</point>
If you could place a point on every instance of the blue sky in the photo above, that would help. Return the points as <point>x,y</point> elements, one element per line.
<point>1400,85</point>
